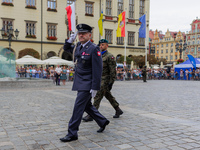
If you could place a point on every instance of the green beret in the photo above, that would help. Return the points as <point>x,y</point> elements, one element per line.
<point>103,41</point>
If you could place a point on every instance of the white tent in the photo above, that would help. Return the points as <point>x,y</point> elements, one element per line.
<point>29,60</point>
<point>58,61</point>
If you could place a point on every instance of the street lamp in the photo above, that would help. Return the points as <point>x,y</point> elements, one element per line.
<point>9,34</point>
<point>180,46</point>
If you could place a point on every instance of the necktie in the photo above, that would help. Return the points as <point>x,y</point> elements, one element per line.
<point>81,47</point>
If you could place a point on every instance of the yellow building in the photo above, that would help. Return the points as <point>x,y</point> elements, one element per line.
<point>42,25</point>
<point>165,45</point>
<point>193,40</point>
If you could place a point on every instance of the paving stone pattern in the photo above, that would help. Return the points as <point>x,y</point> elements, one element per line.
<point>158,115</point>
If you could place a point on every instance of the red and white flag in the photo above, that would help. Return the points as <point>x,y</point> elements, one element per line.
<point>71,17</point>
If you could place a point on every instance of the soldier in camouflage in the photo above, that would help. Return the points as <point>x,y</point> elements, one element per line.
<point>144,74</point>
<point>107,80</point>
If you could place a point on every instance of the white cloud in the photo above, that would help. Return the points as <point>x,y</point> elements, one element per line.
<point>174,15</point>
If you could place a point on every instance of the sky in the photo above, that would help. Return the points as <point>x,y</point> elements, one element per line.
<point>175,15</point>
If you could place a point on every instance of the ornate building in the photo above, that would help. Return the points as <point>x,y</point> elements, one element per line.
<point>165,45</point>
<point>43,26</point>
<point>193,40</point>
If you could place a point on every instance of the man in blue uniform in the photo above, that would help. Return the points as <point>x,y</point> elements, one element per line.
<point>87,80</point>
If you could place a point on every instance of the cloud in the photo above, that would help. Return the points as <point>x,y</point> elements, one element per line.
<point>174,15</point>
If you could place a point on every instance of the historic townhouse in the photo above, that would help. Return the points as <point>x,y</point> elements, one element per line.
<point>165,45</point>
<point>42,25</point>
<point>193,40</point>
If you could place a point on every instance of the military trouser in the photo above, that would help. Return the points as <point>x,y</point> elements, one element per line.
<point>104,91</point>
<point>144,78</point>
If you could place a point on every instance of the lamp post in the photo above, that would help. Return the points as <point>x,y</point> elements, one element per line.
<point>180,46</point>
<point>9,34</point>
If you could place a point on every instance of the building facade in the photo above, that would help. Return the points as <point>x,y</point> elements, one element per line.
<point>165,45</point>
<point>193,40</point>
<point>43,25</point>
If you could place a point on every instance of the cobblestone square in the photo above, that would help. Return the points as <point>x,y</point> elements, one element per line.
<point>158,115</point>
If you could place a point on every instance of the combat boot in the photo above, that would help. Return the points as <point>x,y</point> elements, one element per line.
<point>87,118</point>
<point>118,112</point>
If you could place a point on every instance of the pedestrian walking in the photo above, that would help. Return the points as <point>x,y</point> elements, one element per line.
<point>144,74</point>
<point>87,80</point>
<point>107,81</point>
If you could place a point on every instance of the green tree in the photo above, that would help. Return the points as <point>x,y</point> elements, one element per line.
<point>121,60</point>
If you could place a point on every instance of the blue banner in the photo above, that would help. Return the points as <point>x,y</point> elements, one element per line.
<point>142,30</point>
<point>192,60</point>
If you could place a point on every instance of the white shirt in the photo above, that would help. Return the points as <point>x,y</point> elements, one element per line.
<point>85,43</point>
<point>58,70</point>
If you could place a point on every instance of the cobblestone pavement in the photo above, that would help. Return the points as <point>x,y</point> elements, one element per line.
<point>160,115</point>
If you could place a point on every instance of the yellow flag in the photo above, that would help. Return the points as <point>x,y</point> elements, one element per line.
<point>100,23</point>
<point>121,25</point>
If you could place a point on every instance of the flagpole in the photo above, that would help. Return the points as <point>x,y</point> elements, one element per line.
<point>102,20</point>
<point>125,41</point>
<point>146,41</point>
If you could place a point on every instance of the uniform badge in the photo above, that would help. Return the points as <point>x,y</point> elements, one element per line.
<point>99,53</point>
<point>80,25</point>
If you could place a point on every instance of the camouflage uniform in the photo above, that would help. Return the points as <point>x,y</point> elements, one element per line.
<point>108,76</point>
<point>144,74</point>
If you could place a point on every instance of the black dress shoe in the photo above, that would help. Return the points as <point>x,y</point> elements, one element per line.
<point>68,139</point>
<point>87,118</point>
<point>104,126</point>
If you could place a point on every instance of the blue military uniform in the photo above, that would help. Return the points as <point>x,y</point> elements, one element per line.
<point>88,70</point>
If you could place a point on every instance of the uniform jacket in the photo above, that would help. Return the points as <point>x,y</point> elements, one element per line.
<point>109,68</point>
<point>88,69</point>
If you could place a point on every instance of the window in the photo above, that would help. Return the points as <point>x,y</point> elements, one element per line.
<point>131,39</point>
<point>89,8</point>
<point>109,7</point>
<point>141,42</point>
<point>166,57</point>
<point>176,57</point>
<point>171,57</point>
<point>162,45</point>
<point>161,57</point>
<point>199,49</point>
<point>108,35</point>
<point>166,45</point>
<point>51,4</point>
<point>192,42</point>
<point>30,29</point>
<point>171,44</point>
<point>120,7</point>
<point>157,52</point>
<point>161,51</point>
<point>131,8</point>
<point>69,2</point>
<point>166,50</point>
<point>120,40</point>
<point>51,31</point>
<point>188,43</point>
<point>157,46</point>
<point>171,50</point>
<point>141,8</point>
<point>30,2</point>
<point>6,22</point>
<point>192,49</point>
